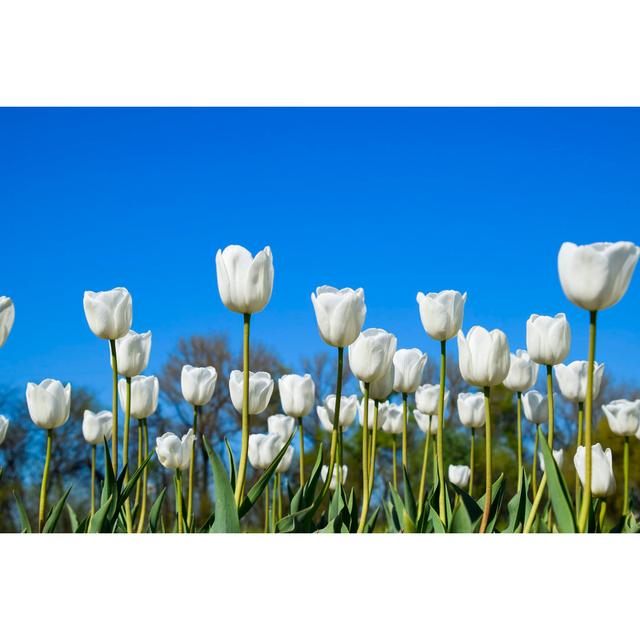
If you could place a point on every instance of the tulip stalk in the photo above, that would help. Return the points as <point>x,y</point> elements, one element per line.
<point>142,424</point>
<point>274,500</point>
<point>519,419</point>
<point>301,434</point>
<point>440,436</point>
<point>125,453</point>
<point>93,480</point>
<point>535,506</point>
<point>588,412</point>
<point>336,427</point>
<point>488,461</point>
<point>394,449</point>
<point>191,468</point>
<point>242,469</point>
<point>372,466</point>
<point>178,487</point>
<point>365,459</point>
<point>45,479</point>
<point>550,405</point>
<point>423,473</point>
<point>578,444</point>
<point>405,420</point>
<point>266,510</point>
<point>534,465</point>
<point>472,460</point>
<point>114,408</point>
<point>625,503</point>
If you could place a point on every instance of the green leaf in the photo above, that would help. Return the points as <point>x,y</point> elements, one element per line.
<point>83,526</point>
<point>156,508</point>
<point>519,506</point>
<point>99,519</point>
<point>435,521</point>
<point>409,502</point>
<point>371,522</point>
<point>54,515</point>
<point>393,522</point>
<point>22,513</point>
<point>109,478</point>
<point>497,493</point>
<point>226,519</point>
<point>232,464</point>
<point>129,487</point>
<point>560,496</point>
<point>73,518</point>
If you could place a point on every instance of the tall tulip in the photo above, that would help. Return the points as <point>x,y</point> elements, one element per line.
<point>427,398</point>
<point>49,404</point>
<point>441,315</point>
<point>472,414</point>
<point>335,477</point>
<point>7,316</point>
<point>428,424</point>
<point>109,315</point>
<point>259,391</point>
<point>281,425</point>
<point>408,369</point>
<point>594,277</point>
<point>393,425</point>
<point>484,362</point>
<point>263,449</point>
<point>603,482</point>
<point>4,426</point>
<point>96,428</point>
<point>338,414</point>
<point>536,411</point>
<point>459,475</point>
<point>245,284</point>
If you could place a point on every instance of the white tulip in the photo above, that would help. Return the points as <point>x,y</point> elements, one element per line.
<point>334,478</point>
<point>382,412</point>
<point>260,390</point>
<point>4,426</point>
<point>426,423</point>
<point>381,388</point>
<point>371,354</point>
<point>523,372</point>
<point>198,384</point>
<point>427,398</point>
<point>285,461</point>
<point>132,352</point>
<point>408,367</point>
<point>144,395</point>
<point>7,316</point>
<point>548,338</point>
<point>459,475</point>
<point>348,410</point>
<point>108,312</point>
<point>596,276</point>
<point>49,403</point>
<point>173,452</point>
<point>281,425</point>
<point>471,409</point>
<point>340,314</point>
<point>244,282</point>
<point>393,422</point>
<point>97,426</point>
<point>558,456</point>
<point>442,313</point>
<point>484,356</point>
<point>263,449</point>
<point>297,394</point>
<point>603,482</point>
<point>536,407</point>
<point>572,379</point>
<point>623,416</point>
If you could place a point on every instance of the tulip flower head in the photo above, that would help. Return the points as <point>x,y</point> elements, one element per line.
<point>408,367</point>
<point>297,394</point>
<point>523,372</point>
<point>97,426</point>
<point>427,398</point>
<point>558,456</point>
<point>334,478</point>
<point>471,409</point>
<point>381,388</point>
<point>173,452</point>
<point>4,426</point>
<point>340,314</point>
<point>198,384</point>
<point>348,410</point>
<point>459,475</point>
<point>371,354</point>
<point>382,412</point>
<point>393,422</point>
<point>108,313</point>
<point>144,395</point>
<point>133,351</point>
<point>442,313</point>
<point>572,379</point>
<point>536,407</point>
<point>484,356</point>
<point>596,276</point>
<point>263,449</point>
<point>426,423</point>
<point>7,316</point>
<point>287,458</point>
<point>548,338</point>
<point>623,416</point>
<point>245,283</point>
<point>603,482</point>
<point>281,425</point>
<point>260,390</point>
<point>49,403</point>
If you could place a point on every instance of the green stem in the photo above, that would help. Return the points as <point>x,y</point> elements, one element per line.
<point>191,470</point>
<point>550,405</point>
<point>625,505</point>
<point>519,412</point>
<point>588,412</point>
<point>365,459</point>
<point>536,505</point>
<point>279,486</point>
<point>266,510</point>
<point>93,479</point>
<point>423,473</point>
<point>114,409</point>
<point>374,434</point>
<point>45,479</point>
<point>405,420</point>
<point>394,448</point>
<point>179,500</point>
<point>274,501</point>
<point>534,465</point>
<point>145,474</point>
<point>472,459</point>
<point>603,513</point>
<point>125,454</point>
<point>301,434</point>
<point>488,474</point>
<point>136,501</point>
<point>440,437</point>
<point>578,444</point>
<point>242,470</point>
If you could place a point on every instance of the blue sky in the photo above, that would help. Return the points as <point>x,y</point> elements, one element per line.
<point>392,200</point>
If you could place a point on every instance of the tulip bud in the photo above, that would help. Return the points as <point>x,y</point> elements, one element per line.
<point>198,384</point>
<point>244,282</point>
<point>49,403</point>
<point>132,352</point>
<point>263,449</point>
<point>334,478</point>
<point>523,372</point>
<point>287,458</point>
<point>381,388</point>
<point>408,368</point>
<point>108,312</point>
<point>459,475</point>
<point>484,356</point>
<point>548,338</point>
<point>394,422</point>
<point>471,409</point>
<point>596,276</point>
<point>281,425</point>
<point>97,426</point>
<point>4,425</point>
<point>558,456</point>
<point>442,313</point>
<point>572,379</point>
<point>426,423</point>
<point>348,410</point>
<point>260,390</point>
<point>339,313</point>
<point>603,482</point>
<point>623,416</point>
<point>173,452</point>
<point>7,316</point>
<point>382,412</point>
<point>428,397</point>
<point>371,354</point>
<point>297,394</point>
<point>144,395</point>
<point>536,407</point>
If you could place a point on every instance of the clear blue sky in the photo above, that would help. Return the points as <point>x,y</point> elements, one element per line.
<point>392,200</point>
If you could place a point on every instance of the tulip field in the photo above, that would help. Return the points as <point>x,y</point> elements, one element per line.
<point>303,489</point>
